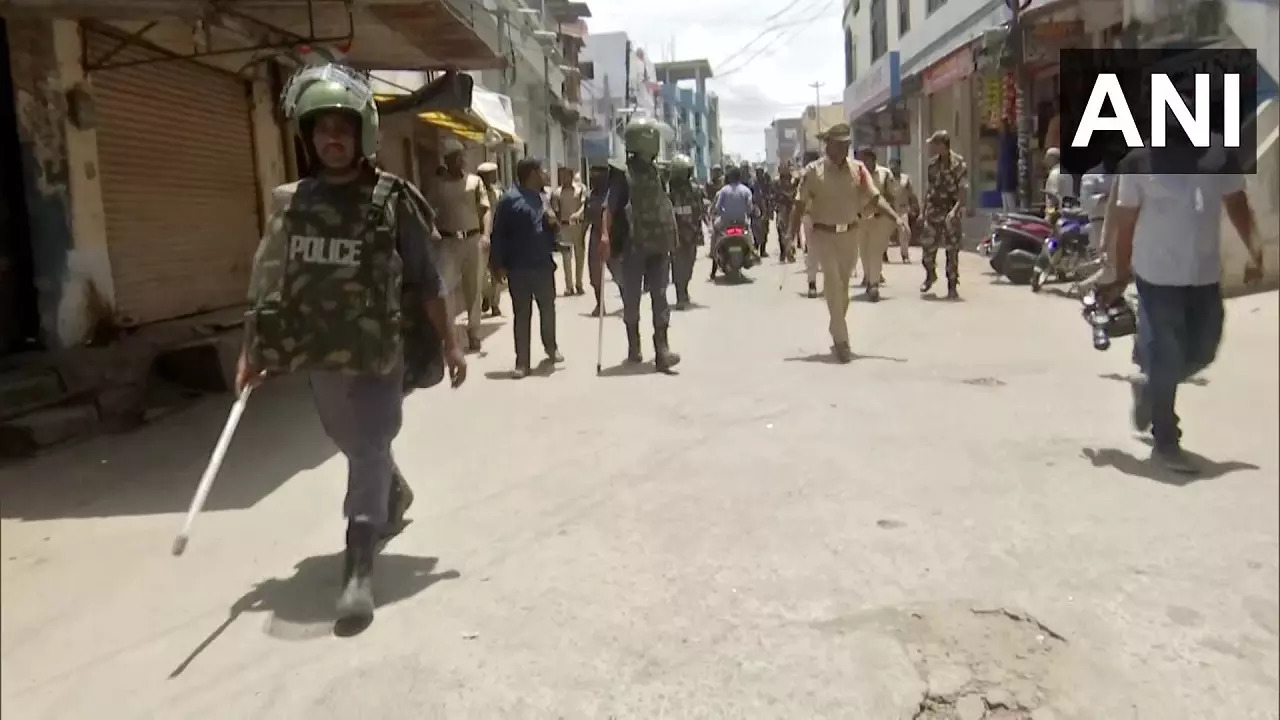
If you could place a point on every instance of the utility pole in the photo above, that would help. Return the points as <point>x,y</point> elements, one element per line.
<point>1017,34</point>
<point>817,102</point>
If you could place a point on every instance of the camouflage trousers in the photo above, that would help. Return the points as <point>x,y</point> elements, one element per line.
<point>947,235</point>
<point>641,269</point>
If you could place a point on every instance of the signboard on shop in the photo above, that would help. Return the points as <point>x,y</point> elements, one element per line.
<point>875,87</point>
<point>949,70</point>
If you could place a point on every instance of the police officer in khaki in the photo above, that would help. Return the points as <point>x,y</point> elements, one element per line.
<point>836,191</point>
<point>877,228</point>
<point>491,289</point>
<point>462,208</point>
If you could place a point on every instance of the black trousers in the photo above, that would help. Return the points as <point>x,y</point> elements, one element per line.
<point>528,286</point>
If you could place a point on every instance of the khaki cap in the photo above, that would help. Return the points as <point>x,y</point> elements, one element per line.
<point>487,167</point>
<point>839,132</point>
<point>941,136</point>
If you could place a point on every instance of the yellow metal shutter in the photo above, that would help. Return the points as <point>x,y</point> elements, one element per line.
<point>179,186</point>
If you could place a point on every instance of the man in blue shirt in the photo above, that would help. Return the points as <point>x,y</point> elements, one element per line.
<point>733,206</point>
<point>523,241</point>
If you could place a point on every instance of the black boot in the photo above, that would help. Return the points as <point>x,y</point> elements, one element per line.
<point>663,358</point>
<point>633,344</point>
<point>952,292</point>
<point>930,277</point>
<point>356,600</point>
<point>398,502</point>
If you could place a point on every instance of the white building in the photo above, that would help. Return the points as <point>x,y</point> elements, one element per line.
<point>623,83</point>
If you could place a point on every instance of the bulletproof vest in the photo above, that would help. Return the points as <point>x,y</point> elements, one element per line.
<point>686,200</point>
<point>650,212</point>
<point>328,284</point>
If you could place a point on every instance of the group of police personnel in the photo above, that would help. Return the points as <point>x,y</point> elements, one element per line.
<point>375,321</point>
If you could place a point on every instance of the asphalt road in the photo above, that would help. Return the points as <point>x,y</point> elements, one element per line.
<point>960,522</point>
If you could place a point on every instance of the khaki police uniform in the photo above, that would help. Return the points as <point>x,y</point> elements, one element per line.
<point>565,203</point>
<point>491,291</point>
<point>835,194</point>
<point>876,227</point>
<point>461,206</point>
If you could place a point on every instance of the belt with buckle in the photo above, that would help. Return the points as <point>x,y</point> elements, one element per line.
<point>460,234</point>
<point>842,227</point>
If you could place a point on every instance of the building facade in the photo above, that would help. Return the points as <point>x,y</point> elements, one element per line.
<point>686,110</point>
<point>624,84</point>
<point>138,172</point>
<point>787,141</point>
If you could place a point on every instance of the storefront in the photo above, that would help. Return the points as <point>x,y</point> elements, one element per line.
<point>948,92</point>
<point>873,108</point>
<point>179,183</point>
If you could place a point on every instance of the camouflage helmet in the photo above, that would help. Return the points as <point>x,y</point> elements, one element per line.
<point>681,166</point>
<point>333,87</point>
<point>643,138</point>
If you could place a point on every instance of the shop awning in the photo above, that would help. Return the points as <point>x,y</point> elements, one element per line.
<point>495,110</point>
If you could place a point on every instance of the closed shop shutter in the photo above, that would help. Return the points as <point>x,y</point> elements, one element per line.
<point>179,186</point>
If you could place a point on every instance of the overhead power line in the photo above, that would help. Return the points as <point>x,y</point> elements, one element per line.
<point>773,25</point>
<point>779,42</point>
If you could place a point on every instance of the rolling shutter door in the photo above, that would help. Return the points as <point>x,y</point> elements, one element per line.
<point>179,186</point>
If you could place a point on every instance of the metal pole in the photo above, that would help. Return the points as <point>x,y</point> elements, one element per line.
<point>817,102</point>
<point>1023,103</point>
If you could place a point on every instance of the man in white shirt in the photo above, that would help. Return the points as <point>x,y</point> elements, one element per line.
<point>1167,240</point>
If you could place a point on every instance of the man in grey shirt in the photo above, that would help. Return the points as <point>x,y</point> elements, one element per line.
<point>1167,240</point>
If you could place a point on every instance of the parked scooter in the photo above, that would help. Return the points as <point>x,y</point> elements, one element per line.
<point>1014,244</point>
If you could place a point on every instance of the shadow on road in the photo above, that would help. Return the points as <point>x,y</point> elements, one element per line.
<point>628,369</point>
<point>155,468</point>
<point>1196,380</point>
<point>544,369</point>
<point>301,606</point>
<point>1129,464</point>
<point>826,358</point>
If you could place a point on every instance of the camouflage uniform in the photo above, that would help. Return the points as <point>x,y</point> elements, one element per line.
<point>784,198</point>
<point>339,288</point>
<point>948,184</point>
<point>690,207</point>
<point>649,225</point>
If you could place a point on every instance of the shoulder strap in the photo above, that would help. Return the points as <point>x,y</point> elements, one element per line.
<point>386,185</point>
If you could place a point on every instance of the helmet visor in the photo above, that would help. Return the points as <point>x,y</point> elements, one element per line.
<point>351,80</point>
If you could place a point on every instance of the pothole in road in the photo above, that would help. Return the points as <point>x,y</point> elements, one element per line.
<point>975,663</point>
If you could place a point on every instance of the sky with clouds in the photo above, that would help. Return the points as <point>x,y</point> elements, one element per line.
<point>758,81</point>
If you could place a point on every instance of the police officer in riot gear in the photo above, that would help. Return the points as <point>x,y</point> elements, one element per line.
<point>350,236</point>
<point>640,223</point>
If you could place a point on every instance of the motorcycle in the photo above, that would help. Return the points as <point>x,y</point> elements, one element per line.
<point>1014,244</point>
<point>734,251</point>
<point>1067,254</point>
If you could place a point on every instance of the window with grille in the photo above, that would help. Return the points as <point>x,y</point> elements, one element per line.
<point>848,57</point>
<point>879,29</point>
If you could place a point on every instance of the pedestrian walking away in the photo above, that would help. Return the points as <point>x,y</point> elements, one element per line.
<point>907,203</point>
<point>640,226</point>
<point>762,196</point>
<point>524,245</point>
<point>732,206</point>
<point>687,201</point>
<point>344,288</point>
<point>491,304</point>
<point>837,191</point>
<point>1167,241</point>
<point>945,196</point>
<point>877,228</point>
<point>568,204</point>
<point>462,205</point>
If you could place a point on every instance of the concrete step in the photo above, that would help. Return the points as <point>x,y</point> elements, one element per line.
<point>26,389</point>
<point>26,435</point>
